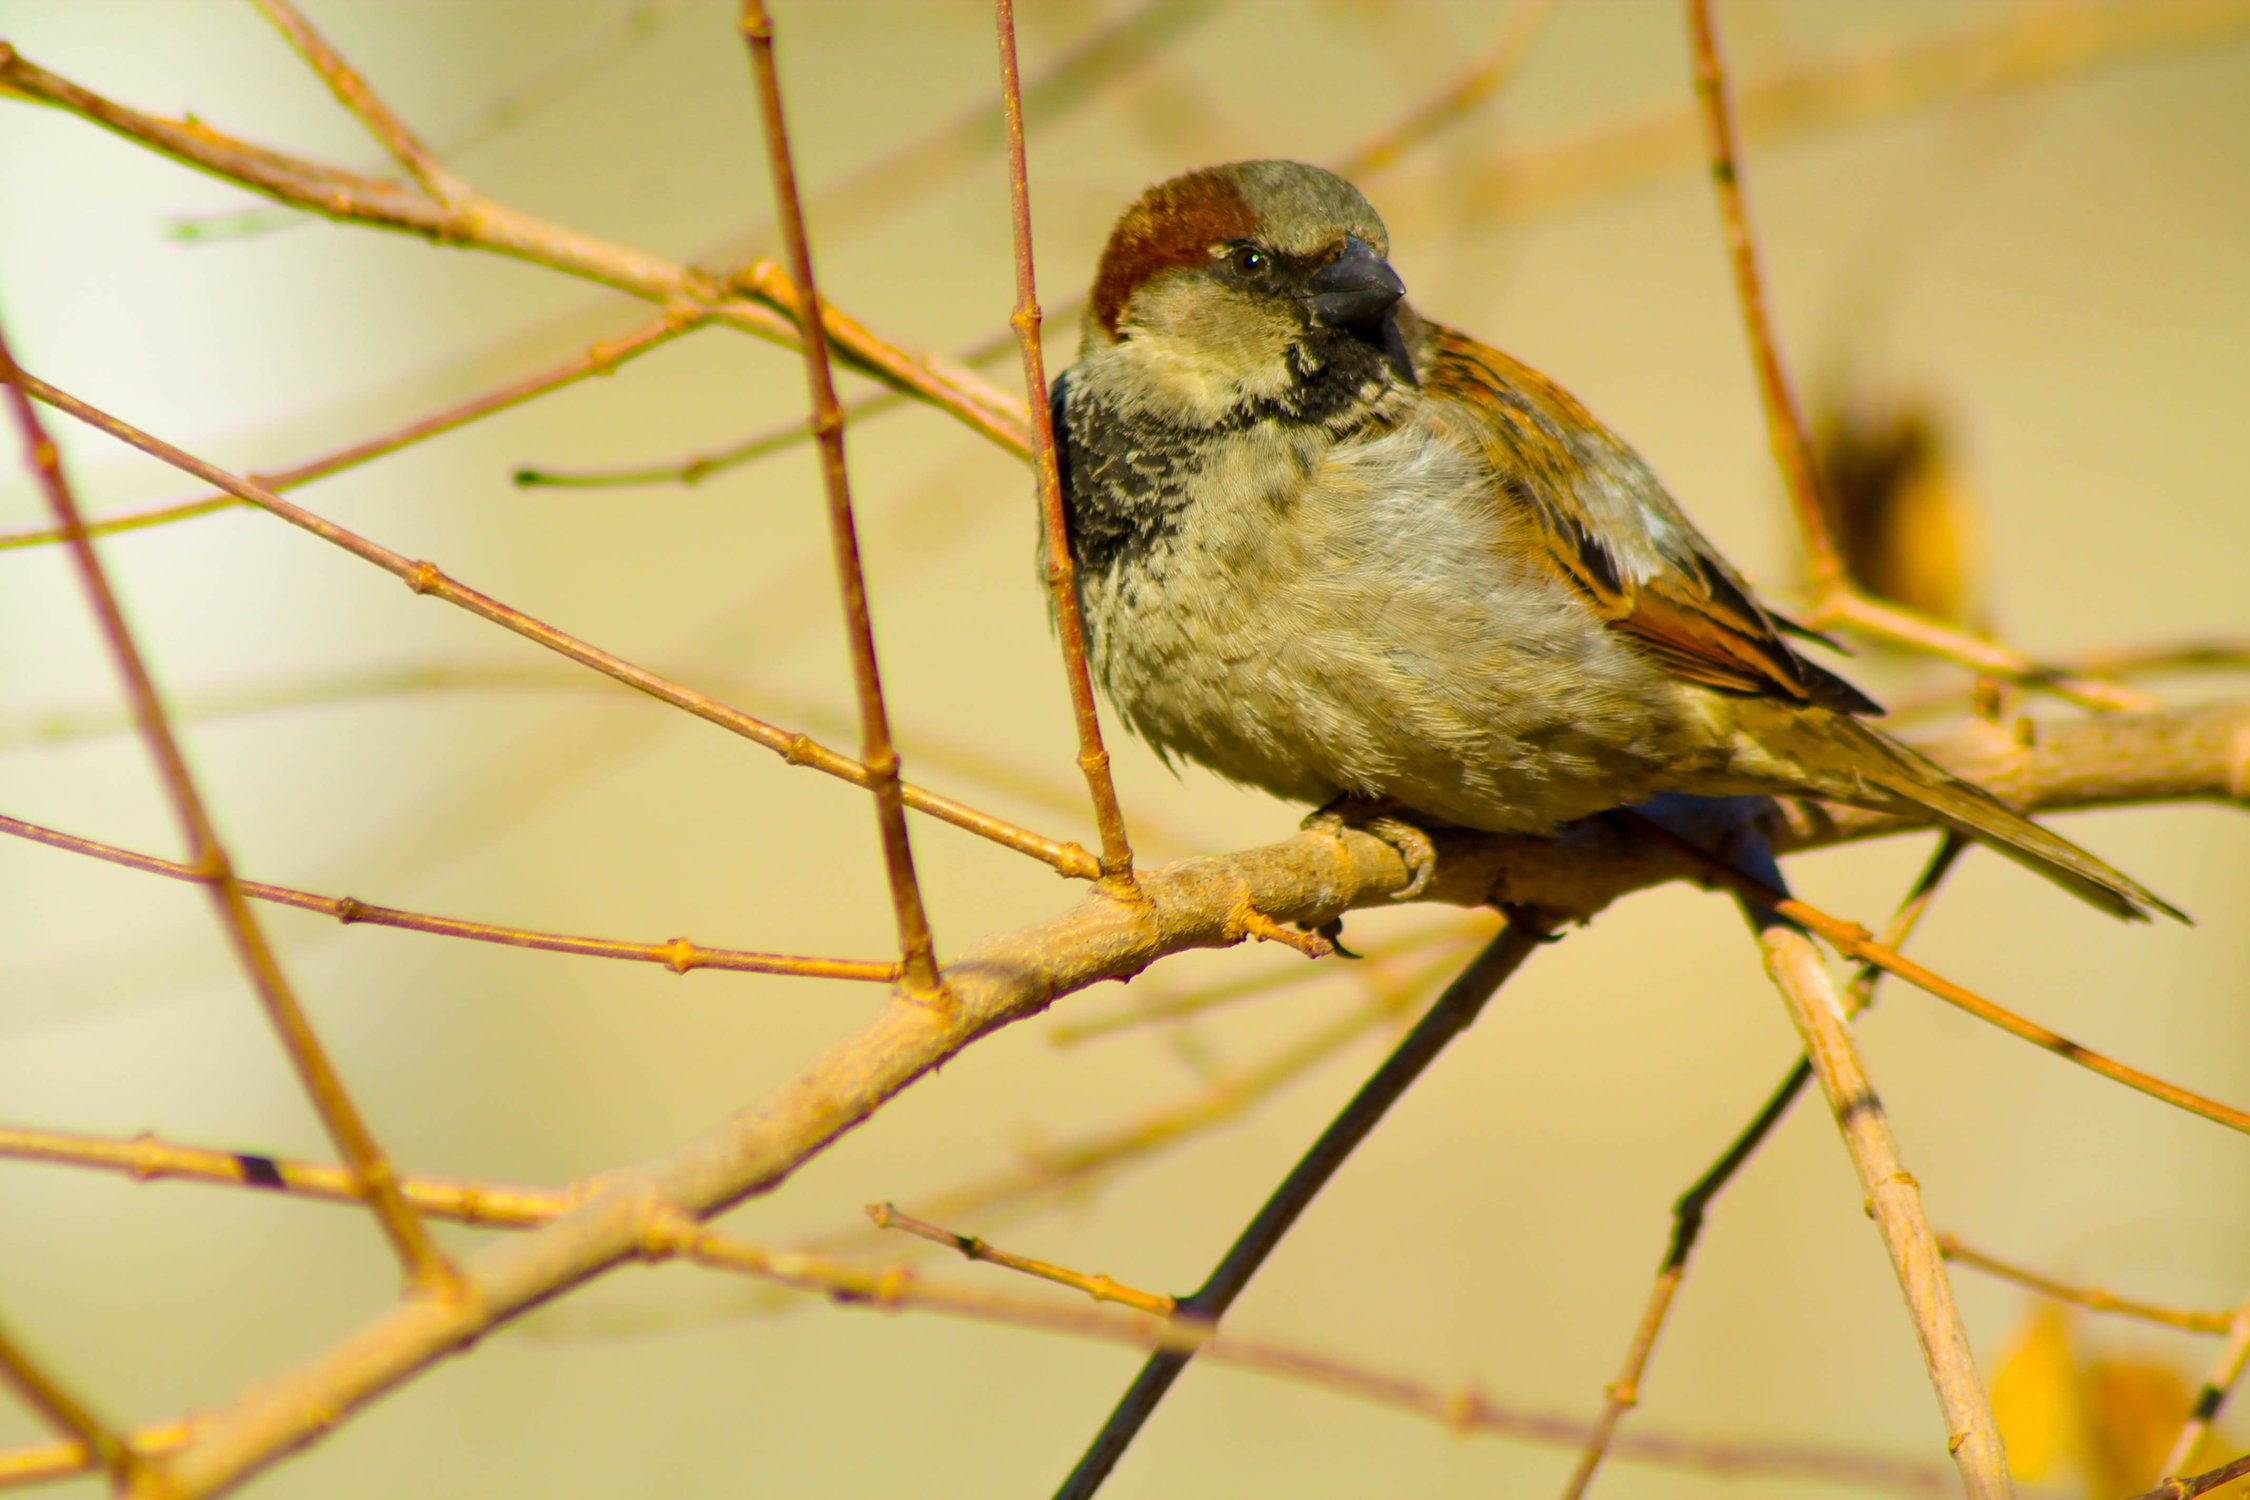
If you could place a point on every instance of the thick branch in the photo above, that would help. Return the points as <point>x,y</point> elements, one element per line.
<point>2201,754</point>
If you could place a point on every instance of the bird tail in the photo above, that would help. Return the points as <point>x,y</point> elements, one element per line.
<point>1885,772</point>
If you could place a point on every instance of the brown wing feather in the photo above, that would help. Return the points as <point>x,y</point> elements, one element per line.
<point>1664,585</point>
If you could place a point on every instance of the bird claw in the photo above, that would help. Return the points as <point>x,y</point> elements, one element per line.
<point>1412,843</point>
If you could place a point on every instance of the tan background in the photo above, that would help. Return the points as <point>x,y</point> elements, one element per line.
<point>2066,270</point>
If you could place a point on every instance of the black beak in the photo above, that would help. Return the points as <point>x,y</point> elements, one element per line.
<point>1355,290</point>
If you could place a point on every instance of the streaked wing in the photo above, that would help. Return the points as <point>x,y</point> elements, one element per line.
<point>1609,527</point>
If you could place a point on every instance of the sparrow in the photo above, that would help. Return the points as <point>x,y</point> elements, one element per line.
<point>1333,549</point>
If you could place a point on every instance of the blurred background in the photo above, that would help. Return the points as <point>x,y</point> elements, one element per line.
<point>2054,275</point>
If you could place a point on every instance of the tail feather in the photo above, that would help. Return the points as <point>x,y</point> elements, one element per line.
<point>1860,764</point>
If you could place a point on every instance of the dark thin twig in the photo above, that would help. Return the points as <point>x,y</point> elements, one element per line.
<point>427,1266</point>
<point>1445,1020</point>
<point>1062,573</point>
<point>876,750</point>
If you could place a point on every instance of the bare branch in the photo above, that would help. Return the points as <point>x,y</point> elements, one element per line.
<point>599,359</point>
<point>971,1247</point>
<point>678,954</point>
<point>1893,1200</point>
<point>876,751</point>
<point>64,1412</point>
<point>425,578</point>
<point>483,224</point>
<point>426,1265</point>
<point>1062,572</point>
<point>352,91</point>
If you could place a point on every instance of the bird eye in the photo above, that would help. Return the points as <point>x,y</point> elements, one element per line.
<point>1249,261</point>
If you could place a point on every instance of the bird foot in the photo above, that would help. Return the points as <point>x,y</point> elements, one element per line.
<point>1381,819</point>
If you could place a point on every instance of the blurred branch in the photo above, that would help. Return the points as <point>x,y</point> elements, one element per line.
<point>1457,100</point>
<point>481,223</point>
<point>599,49</point>
<point>146,1158</point>
<point>2226,1371</point>
<point>678,954</point>
<point>393,134</point>
<point>2026,46</point>
<point>599,359</point>
<point>64,1412</point>
<point>987,766</point>
<point>2093,1299</point>
<point>971,1247</point>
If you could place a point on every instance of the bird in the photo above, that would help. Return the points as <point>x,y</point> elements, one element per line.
<point>1333,549</point>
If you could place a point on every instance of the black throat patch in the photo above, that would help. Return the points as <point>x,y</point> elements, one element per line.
<point>1127,478</point>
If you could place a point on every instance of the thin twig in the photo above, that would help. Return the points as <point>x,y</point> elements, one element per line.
<point>425,578</point>
<point>1448,938</point>
<point>2092,1298</point>
<point>1835,600</point>
<point>1062,572</point>
<point>2201,1484</point>
<point>147,1158</point>
<point>876,751</point>
<point>482,223</point>
<point>68,1415</point>
<point>598,359</point>
<point>1036,785</point>
<point>603,47</point>
<point>1856,942</point>
<point>1893,1200</point>
<point>1785,429</point>
<point>391,133</point>
<point>1846,606</point>
<point>2225,1372</point>
<point>697,467</point>
<point>1452,1013</point>
<point>678,954</point>
<point>971,1247</point>
<point>1478,82</point>
<point>426,1265</point>
<point>1624,1393</point>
